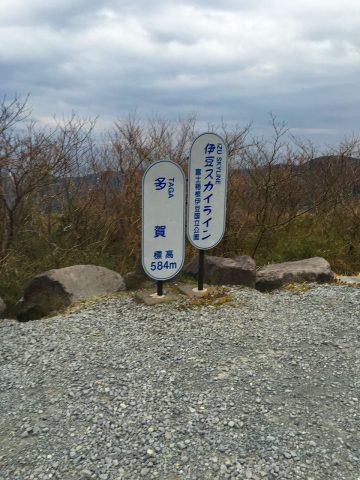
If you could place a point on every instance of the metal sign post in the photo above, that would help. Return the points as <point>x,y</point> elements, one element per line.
<point>163,221</point>
<point>159,288</point>
<point>201,270</point>
<point>206,195</point>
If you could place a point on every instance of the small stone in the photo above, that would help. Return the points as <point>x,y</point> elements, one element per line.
<point>86,473</point>
<point>144,471</point>
<point>223,469</point>
<point>287,454</point>
<point>231,424</point>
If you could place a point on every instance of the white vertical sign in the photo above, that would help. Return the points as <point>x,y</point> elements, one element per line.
<point>207,191</point>
<point>163,220</point>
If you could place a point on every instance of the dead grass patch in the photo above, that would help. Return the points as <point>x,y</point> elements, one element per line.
<point>216,297</point>
<point>297,287</point>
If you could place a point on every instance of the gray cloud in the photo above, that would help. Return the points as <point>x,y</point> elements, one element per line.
<point>236,61</point>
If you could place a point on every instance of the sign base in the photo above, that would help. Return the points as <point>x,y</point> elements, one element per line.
<point>193,291</point>
<point>156,295</point>
<point>148,297</point>
<point>196,290</point>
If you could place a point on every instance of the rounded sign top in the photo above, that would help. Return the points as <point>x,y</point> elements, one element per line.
<point>207,191</point>
<point>163,220</point>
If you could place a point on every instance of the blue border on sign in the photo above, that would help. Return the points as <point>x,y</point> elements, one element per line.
<point>142,219</point>
<point>189,190</point>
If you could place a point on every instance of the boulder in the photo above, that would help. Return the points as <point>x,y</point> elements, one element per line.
<point>315,269</point>
<point>56,289</point>
<point>225,271</point>
<point>349,280</point>
<point>2,307</point>
<point>137,280</point>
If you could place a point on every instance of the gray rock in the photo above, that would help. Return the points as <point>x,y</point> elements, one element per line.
<point>138,279</point>
<point>273,276</point>
<point>225,271</point>
<point>2,307</point>
<point>56,289</point>
<point>347,279</point>
<point>86,473</point>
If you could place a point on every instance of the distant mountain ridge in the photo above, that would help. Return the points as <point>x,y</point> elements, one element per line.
<point>335,160</point>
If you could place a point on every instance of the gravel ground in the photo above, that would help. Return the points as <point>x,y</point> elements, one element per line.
<point>267,388</point>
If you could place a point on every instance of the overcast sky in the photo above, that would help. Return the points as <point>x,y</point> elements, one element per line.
<point>235,60</point>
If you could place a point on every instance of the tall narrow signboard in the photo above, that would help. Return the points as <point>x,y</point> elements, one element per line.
<point>163,220</point>
<point>206,195</point>
<point>207,191</point>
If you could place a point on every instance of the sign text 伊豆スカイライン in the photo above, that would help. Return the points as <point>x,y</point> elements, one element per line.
<point>207,191</point>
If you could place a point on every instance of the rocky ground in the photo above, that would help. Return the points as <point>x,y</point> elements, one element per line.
<point>265,387</point>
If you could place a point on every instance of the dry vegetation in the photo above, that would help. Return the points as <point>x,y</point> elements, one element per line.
<point>66,198</point>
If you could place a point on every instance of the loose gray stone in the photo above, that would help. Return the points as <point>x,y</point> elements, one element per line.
<point>149,375</point>
<point>86,473</point>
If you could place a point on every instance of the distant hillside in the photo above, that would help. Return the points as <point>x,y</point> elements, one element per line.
<point>336,161</point>
<point>334,169</point>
